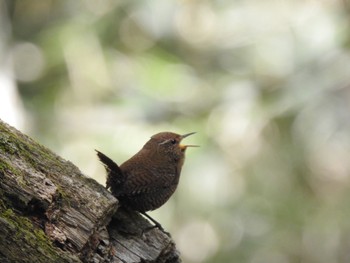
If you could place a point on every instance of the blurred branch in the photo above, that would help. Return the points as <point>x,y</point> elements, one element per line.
<point>10,5</point>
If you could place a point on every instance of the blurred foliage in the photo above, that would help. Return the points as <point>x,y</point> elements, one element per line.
<point>264,83</point>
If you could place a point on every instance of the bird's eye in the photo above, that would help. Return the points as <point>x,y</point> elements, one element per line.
<point>173,141</point>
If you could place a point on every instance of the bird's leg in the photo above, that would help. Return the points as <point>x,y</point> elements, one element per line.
<point>156,224</point>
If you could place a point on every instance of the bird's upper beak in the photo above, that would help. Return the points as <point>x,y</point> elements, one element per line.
<point>182,146</point>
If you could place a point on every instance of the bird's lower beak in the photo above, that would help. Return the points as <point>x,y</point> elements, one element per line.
<point>183,147</point>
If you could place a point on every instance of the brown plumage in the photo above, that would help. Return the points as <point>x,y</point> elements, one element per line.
<point>148,179</point>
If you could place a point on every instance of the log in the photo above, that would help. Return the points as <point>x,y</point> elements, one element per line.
<point>51,212</point>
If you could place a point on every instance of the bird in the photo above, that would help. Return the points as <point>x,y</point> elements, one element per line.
<point>149,178</point>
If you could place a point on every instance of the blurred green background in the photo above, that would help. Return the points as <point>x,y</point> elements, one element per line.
<point>264,83</point>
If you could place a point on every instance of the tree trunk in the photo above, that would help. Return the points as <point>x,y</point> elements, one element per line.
<point>51,212</point>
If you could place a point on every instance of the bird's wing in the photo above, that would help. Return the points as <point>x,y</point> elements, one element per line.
<point>145,180</point>
<point>115,175</point>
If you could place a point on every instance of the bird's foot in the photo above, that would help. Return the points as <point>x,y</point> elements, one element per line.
<point>145,230</point>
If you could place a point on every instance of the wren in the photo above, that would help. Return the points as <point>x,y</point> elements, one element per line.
<point>148,179</point>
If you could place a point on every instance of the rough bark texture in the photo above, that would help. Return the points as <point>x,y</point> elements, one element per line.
<point>51,212</point>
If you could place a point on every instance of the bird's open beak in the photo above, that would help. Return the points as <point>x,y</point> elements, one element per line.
<point>183,147</point>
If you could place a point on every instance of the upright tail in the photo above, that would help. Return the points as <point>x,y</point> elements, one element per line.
<point>115,176</point>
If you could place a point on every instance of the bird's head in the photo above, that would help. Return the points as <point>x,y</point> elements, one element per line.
<point>169,144</point>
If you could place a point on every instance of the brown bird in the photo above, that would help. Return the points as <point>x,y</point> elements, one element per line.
<point>148,179</point>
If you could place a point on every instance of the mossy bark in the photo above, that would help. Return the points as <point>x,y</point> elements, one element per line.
<point>51,212</point>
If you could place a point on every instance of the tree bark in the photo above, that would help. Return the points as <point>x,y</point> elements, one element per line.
<point>51,212</point>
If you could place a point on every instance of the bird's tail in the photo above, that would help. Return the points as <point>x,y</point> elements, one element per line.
<point>115,176</point>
